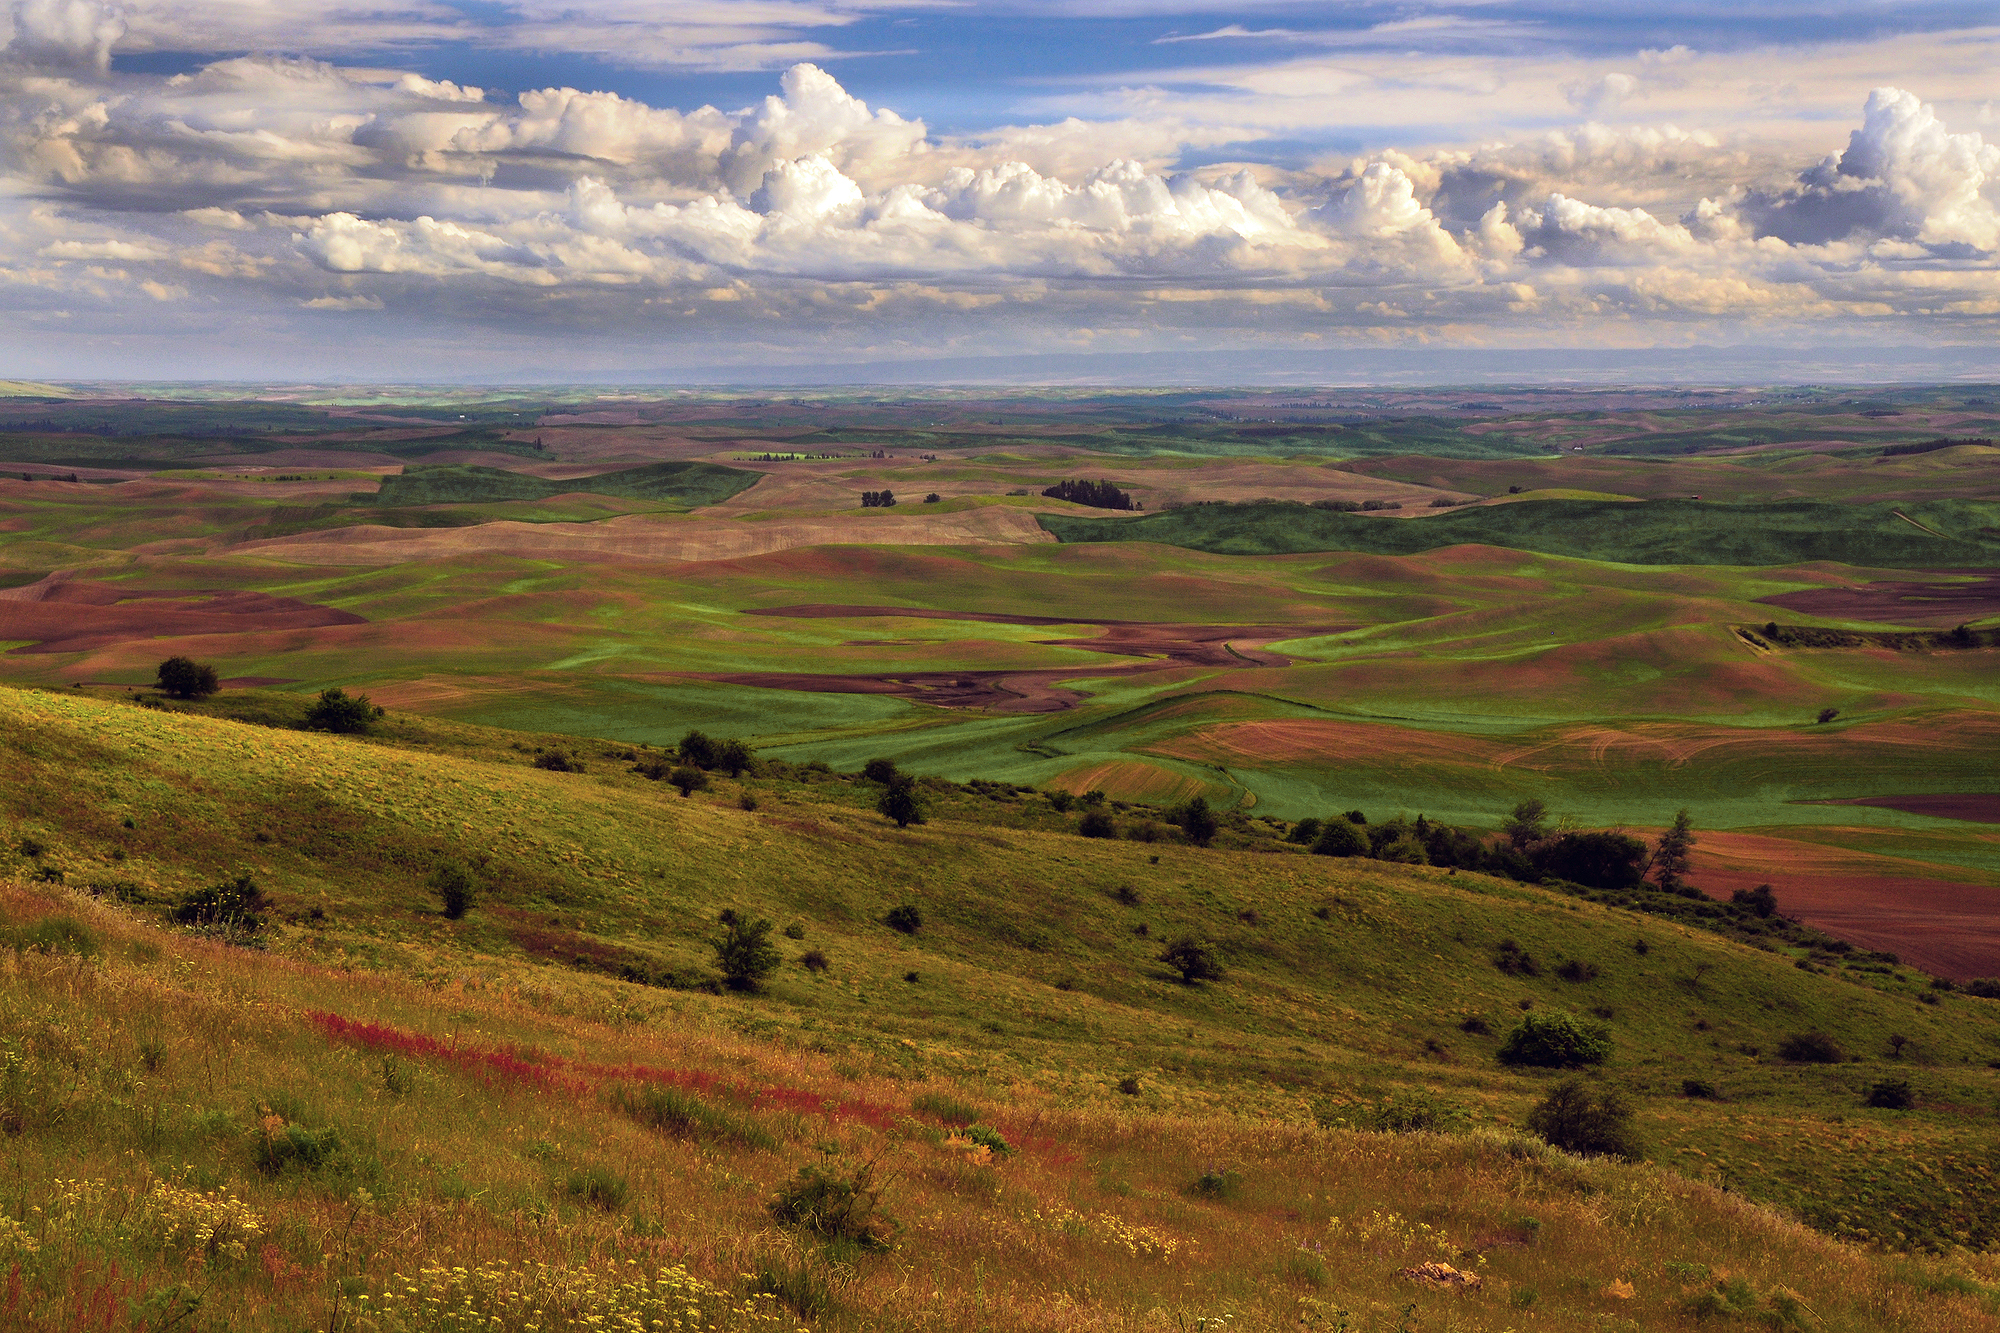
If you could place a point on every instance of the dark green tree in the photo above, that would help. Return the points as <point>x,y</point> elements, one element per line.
<point>1097,823</point>
<point>1673,853</point>
<point>744,951</point>
<point>455,888</point>
<point>882,771</point>
<point>185,678</point>
<point>689,779</point>
<point>346,714</point>
<point>1555,1041</point>
<point>697,749</point>
<point>899,802</point>
<point>1197,821</point>
<point>734,758</point>
<point>1528,825</point>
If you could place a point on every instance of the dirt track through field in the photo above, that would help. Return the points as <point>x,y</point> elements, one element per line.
<point>1933,604</point>
<point>60,614</point>
<point>1168,647</point>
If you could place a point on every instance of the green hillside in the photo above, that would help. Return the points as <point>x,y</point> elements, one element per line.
<point>1037,962</point>
<point>1939,534</point>
<point>690,484</point>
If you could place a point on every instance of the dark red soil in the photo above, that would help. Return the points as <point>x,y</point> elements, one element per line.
<point>1973,807</point>
<point>1932,604</point>
<point>1947,929</point>
<point>65,615</point>
<point>1171,647</point>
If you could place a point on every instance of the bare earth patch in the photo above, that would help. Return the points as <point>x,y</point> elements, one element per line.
<point>59,614</point>
<point>1931,603</point>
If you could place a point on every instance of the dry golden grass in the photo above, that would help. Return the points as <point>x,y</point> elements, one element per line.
<point>432,1141</point>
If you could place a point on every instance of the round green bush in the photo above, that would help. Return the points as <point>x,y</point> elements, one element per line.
<point>1556,1041</point>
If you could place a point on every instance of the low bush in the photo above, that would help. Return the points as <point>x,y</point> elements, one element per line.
<point>1575,1120</point>
<point>1194,960</point>
<point>1412,1113</point>
<point>1811,1048</point>
<point>905,918</point>
<point>1097,823</point>
<point>1340,837</point>
<point>1572,969</point>
<point>1476,1025</point>
<point>1304,833</point>
<point>236,905</point>
<point>837,1203</point>
<point>1515,961</point>
<point>1216,1183</point>
<point>1700,1089</point>
<point>687,779</point>
<point>555,761</point>
<point>280,1146</point>
<point>342,713</point>
<point>814,960</point>
<point>1890,1094</point>
<point>1555,1041</point>
<point>990,1139</point>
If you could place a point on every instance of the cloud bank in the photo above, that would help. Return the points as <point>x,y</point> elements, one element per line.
<point>292,208</point>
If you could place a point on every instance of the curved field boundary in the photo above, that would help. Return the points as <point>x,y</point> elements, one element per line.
<point>1952,533</point>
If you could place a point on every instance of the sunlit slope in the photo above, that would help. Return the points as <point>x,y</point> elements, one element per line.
<point>1030,964</point>
<point>1937,534</point>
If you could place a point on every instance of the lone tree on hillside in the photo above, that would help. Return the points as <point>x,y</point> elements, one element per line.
<point>744,951</point>
<point>899,801</point>
<point>341,712</point>
<point>1194,960</point>
<point>689,779</point>
<point>734,758</point>
<point>881,770</point>
<point>453,885</point>
<point>185,678</point>
<point>1674,852</point>
<point>697,749</point>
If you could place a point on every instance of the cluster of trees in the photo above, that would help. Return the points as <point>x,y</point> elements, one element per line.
<point>1351,506</point>
<point>1930,446</point>
<point>334,710</point>
<point>878,499</point>
<point>1096,494</point>
<point>1530,848</point>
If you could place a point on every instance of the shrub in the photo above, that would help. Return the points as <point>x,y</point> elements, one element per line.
<point>1217,1183</point>
<point>1340,837</point>
<point>746,801</point>
<point>1760,900</point>
<point>1810,1048</point>
<point>1890,1094</point>
<point>1129,1086</point>
<point>1983,988</point>
<point>453,884</point>
<point>555,761</point>
<point>990,1139</point>
<point>800,1288</point>
<point>1061,801</point>
<point>279,1147</point>
<point>683,1115</point>
<point>342,713</point>
<point>1827,715</point>
<point>185,678</point>
<point>236,904</point>
<point>882,771</point>
<point>1412,1113</point>
<point>795,931</point>
<point>688,779</point>
<point>1097,823</point>
<point>1555,1041</point>
<point>836,1203</point>
<point>1193,960</point>
<point>1572,969</point>
<point>1304,833</point>
<point>813,960</point>
<point>1476,1025</point>
<point>899,802</point>
<point>734,758</point>
<point>1700,1089</point>
<point>1511,958</point>
<point>744,951</point>
<point>905,918</point>
<point>1595,860</point>
<point>1572,1119</point>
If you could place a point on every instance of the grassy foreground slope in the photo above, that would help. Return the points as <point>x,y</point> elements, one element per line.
<point>1938,534</point>
<point>385,1088</point>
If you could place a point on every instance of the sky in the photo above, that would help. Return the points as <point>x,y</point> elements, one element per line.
<point>509,190</point>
